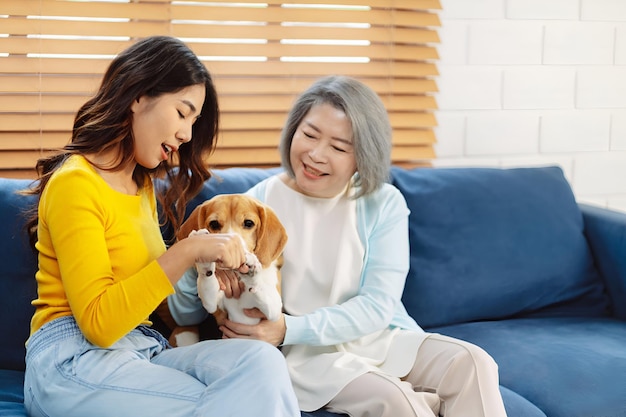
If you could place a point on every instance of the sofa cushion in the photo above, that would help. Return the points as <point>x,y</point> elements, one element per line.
<point>518,406</point>
<point>17,275</point>
<point>566,366</point>
<point>12,393</point>
<point>492,243</point>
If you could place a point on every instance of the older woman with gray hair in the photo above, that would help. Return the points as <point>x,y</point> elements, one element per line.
<point>349,343</point>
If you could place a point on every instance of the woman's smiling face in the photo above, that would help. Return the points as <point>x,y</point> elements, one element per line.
<point>322,152</point>
<point>161,124</point>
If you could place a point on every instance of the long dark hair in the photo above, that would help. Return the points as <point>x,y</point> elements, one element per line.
<point>150,67</point>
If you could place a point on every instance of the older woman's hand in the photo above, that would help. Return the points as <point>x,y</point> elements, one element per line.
<point>230,282</point>
<point>272,332</point>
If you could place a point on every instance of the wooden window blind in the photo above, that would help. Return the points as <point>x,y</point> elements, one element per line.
<point>261,54</point>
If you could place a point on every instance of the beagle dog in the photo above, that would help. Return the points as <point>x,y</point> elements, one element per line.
<point>264,238</point>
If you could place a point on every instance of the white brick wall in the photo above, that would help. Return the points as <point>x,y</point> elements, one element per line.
<point>536,82</point>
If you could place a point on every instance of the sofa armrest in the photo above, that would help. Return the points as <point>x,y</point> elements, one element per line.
<point>606,233</point>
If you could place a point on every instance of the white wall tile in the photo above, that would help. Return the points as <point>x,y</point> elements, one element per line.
<point>474,9</point>
<point>618,131</point>
<point>538,88</point>
<point>580,131</point>
<point>601,173</point>
<point>453,46</point>
<point>467,162</point>
<point>502,133</point>
<point>617,203</point>
<point>579,43</point>
<point>601,87</point>
<point>620,44</point>
<point>505,42</point>
<point>468,87</point>
<point>498,107</point>
<point>542,9</point>
<point>605,10</point>
<point>592,201</point>
<point>450,134</point>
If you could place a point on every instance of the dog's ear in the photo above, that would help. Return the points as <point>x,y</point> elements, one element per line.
<point>193,222</point>
<point>271,235</point>
<point>188,225</point>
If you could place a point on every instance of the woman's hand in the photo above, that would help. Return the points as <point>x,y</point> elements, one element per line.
<point>230,282</point>
<point>272,332</point>
<point>225,249</point>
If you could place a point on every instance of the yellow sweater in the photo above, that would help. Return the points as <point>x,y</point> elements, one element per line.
<point>97,250</point>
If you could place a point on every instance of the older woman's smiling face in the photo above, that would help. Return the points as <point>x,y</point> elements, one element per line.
<point>322,152</point>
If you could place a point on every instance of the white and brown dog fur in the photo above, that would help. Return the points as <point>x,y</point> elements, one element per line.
<point>264,239</point>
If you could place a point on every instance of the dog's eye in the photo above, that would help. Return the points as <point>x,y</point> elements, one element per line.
<point>215,226</point>
<point>248,224</point>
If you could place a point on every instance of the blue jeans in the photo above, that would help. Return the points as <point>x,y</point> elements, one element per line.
<point>139,375</point>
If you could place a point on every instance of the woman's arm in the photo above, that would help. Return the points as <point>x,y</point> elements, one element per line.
<point>185,305</point>
<point>93,261</point>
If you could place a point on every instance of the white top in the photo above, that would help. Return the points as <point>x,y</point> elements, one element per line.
<point>324,255</point>
<point>323,265</point>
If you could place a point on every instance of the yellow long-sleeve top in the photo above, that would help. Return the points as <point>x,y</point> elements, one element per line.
<point>97,254</point>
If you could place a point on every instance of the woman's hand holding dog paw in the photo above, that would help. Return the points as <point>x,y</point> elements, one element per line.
<point>226,249</point>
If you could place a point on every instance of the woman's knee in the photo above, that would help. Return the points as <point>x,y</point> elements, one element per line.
<point>264,357</point>
<point>373,394</point>
<point>264,350</point>
<point>394,401</point>
<point>473,357</point>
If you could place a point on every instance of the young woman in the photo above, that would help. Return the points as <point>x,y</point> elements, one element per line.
<point>103,265</point>
<point>349,343</point>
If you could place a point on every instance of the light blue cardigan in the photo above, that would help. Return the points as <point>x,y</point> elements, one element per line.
<point>382,220</point>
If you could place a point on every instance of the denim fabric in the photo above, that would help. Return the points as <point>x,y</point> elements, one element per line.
<point>68,376</point>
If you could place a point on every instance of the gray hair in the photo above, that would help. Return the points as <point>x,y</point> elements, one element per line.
<point>369,121</point>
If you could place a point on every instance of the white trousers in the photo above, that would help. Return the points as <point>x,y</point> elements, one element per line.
<point>450,378</point>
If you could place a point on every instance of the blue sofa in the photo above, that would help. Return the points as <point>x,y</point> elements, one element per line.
<point>504,258</point>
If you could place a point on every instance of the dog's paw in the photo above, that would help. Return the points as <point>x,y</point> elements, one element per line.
<point>205,269</point>
<point>209,289</point>
<point>198,232</point>
<point>254,265</point>
<point>268,301</point>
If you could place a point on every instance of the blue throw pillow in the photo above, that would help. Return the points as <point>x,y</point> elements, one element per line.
<point>494,243</point>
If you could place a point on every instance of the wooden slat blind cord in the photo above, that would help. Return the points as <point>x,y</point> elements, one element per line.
<point>261,54</point>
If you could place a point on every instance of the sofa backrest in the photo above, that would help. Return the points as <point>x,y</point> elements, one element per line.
<point>17,274</point>
<point>495,243</point>
<point>485,244</point>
